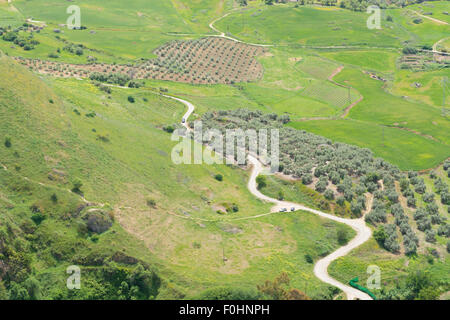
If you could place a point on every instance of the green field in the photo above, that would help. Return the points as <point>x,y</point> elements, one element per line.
<point>305,26</point>
<point>407,150</point>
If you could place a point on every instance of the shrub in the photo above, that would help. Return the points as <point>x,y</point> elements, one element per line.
<point>409,50</point>
<point>445,198</point>
<point>8,143</point>
<point>419,214</point>
<point>218,177</point>
<point>76,185</point>
<point>307,179</point>
<point>424,224</point>
<point>280,195</point>
<point>54,198</point>
<point>261,182</point>
<point>404,184</point>
<point>98,221</point>
<point>342,236</point>
<point>329,194</point>
<point>340,200</point>
<point>169,129</point>
<point>430,236</point>
<point>38,217</point>
<point>321,186</point>
<point>444,230</point>
<point>420,188</point>
<point>428,197</point>
<point>308,258</point>
<point>432,208</point>
<point>356,208</point>
<point>376,215</point>
<point>448,246</point>
<point>392,196</point>
<point>380,235</point>
<point>229,293</point>
<point>151,203</point>
<point>131,99</point>
<point>411,202</point>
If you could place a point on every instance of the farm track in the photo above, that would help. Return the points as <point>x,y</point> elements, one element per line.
<point>430,18</point>
<point>5,168</point>
<point>363,233</point>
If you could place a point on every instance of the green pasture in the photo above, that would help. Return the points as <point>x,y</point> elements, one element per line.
<point>405,149</point>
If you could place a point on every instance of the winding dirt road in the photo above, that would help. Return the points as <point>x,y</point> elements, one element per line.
<point>222,34</point>
<point>363,233</point>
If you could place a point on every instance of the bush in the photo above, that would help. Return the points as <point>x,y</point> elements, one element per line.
<point>448,246</point>
<point>380,235</point>
<point>420,188</point>
<point>98,221</point>
<point>432,208</point>
<point>424,224</point>
<point>229,293</point>
<point>342,236</point>
<point>430,236</point>
<point>8,143</point>
<point>419,214</point>
<point>151,203</point>
<point>392,196</point>
<point>340,200</point>
<point>280,195</point>
<point>409,50</point>
<point>169,129</point>
<point>38,217</point>
<point>391,243</point>
<point>411,202</point>
<point>329,194</point>
<point>218,177</point>
<point>445,198</point>
<point>261,182</point>
<point>76,185</point>
<point>131,99</point>
<point>54,198</point>
<point>428,197</point>
<point>308,258</point>
<point>444,230</point>
<point>307,179</point>
<point>321,186</point>
<point>356,208</point>
<point>376,215</point>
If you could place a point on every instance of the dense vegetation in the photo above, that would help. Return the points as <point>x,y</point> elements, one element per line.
<point>349,174</point>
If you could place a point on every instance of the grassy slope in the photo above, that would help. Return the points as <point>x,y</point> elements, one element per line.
<point>134,165</point>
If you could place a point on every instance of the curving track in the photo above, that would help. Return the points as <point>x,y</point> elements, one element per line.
<point>363,233</point>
